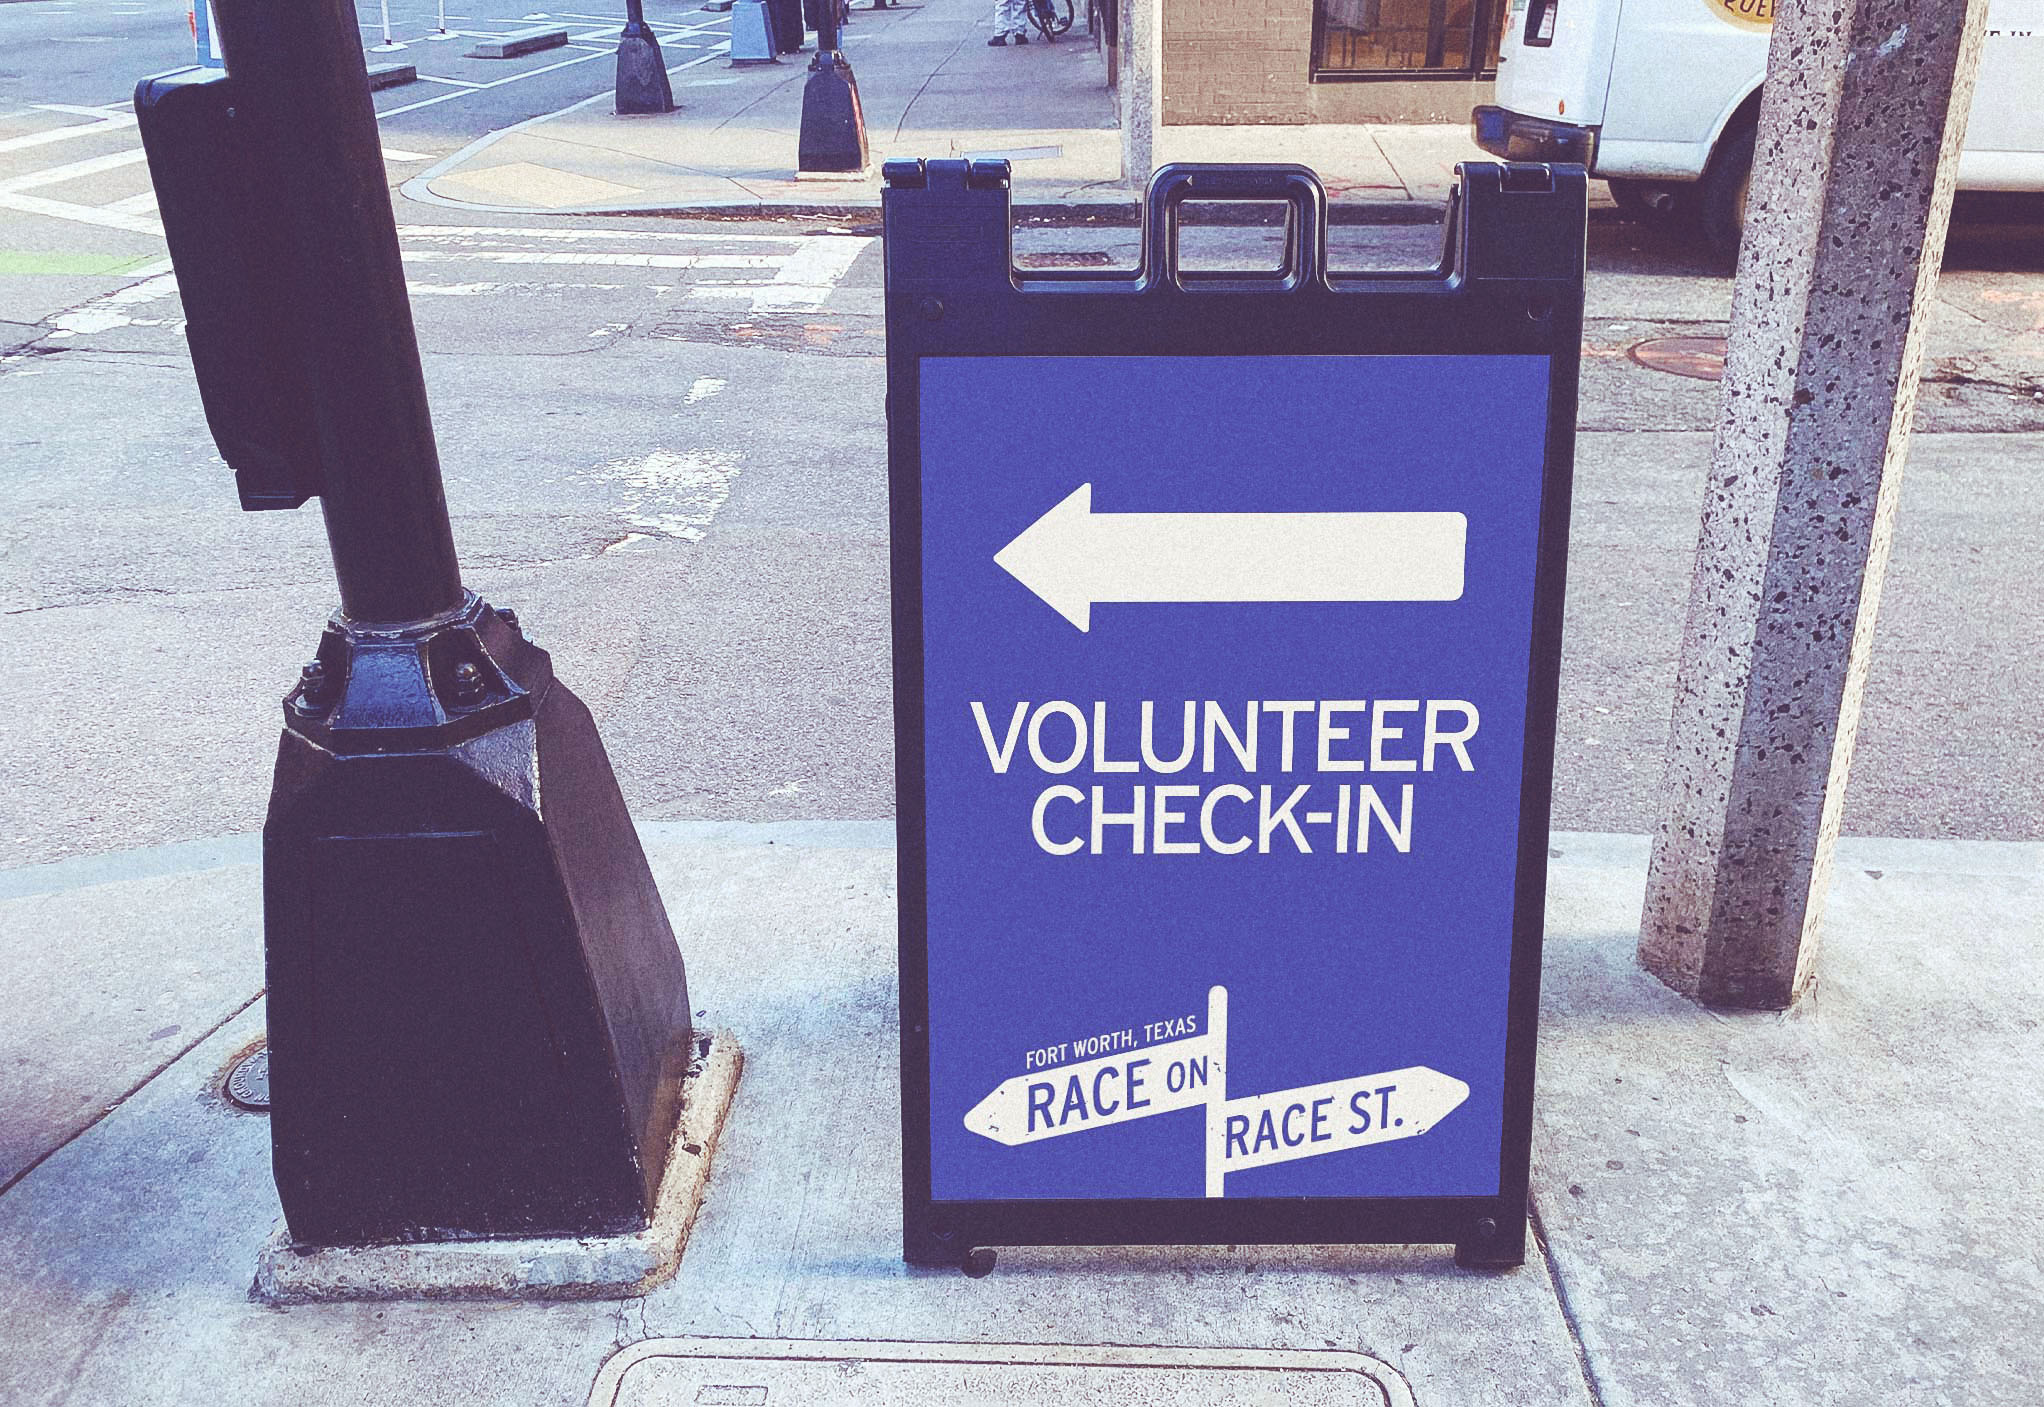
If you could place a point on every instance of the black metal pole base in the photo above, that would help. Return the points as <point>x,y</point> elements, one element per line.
<point>833,125</point>
<point>478,1015</point>
<point>642,85</point>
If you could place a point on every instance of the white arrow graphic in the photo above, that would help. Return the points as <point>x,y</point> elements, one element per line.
<point>1073,557</point>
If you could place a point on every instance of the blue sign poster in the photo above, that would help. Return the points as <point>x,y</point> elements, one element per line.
<point>1224,711</point>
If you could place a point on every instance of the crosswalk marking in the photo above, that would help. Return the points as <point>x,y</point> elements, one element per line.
<point>431,234</point>
<point>602,260</point>
<point>799,278</point>
<point>82,214</point>
<point>740,270</point>
<point>805,278</point>
<point>108,122</point>
<point>71,171</point>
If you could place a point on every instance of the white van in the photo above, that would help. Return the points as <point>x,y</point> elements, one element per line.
<point>1661,98</point>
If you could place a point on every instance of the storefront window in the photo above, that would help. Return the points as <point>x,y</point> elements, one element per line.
<point>1404,38</point>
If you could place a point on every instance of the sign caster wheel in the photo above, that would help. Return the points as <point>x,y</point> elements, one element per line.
<point>978,1262</point>
<point>1491,1249</point>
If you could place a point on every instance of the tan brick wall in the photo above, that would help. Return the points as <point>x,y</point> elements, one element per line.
<point>1250,61</point>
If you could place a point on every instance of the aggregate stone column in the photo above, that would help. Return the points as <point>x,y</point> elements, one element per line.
<point>1140,28</point>
<point>1864,113</point>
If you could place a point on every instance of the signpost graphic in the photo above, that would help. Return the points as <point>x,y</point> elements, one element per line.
<point>1227,620</point>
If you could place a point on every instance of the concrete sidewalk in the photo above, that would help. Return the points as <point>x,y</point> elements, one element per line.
<point>1835,1205</point>
<point>930,87</point>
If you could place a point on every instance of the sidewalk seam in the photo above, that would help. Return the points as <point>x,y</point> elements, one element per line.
<point>131,1092</point>
<point>901,124</point>
<point>1561,1300</point>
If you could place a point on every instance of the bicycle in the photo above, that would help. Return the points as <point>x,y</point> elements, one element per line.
<point>1050,18</point>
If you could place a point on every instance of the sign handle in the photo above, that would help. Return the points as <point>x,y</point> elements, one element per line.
<point>1305,225</point>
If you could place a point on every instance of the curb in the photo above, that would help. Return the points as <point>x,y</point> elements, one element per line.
<point>1126,212</point>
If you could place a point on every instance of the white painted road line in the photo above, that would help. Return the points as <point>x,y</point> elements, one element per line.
<point>112,123</point>
<point>808,277</point>
<point>604,260</point>
<point>80,109</point>
<point>71,171</point>
<point>462,234</point>
<point>82,214</point>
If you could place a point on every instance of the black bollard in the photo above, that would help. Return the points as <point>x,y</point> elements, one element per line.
<point>478,1017</point>
<point>833,134</point>
<point>786,18</point>
<point>641,72</point>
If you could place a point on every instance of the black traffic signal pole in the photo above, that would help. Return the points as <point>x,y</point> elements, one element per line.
<point>311,124</point>
<point>833,136</point>
<point>642,85</point>
<point>478,1017</point>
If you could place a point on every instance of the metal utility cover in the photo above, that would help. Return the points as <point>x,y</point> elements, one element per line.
<point>796,1373</point>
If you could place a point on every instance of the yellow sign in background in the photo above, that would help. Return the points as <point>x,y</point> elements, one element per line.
<point>1747,14</point>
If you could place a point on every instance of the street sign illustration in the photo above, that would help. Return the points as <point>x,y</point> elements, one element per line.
<point>1250,1132</point>
<point>1227,616</point>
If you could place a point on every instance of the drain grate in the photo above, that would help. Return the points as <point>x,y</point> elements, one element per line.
<point>248,1083</point>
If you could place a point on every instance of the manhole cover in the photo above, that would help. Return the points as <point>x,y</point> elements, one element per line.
<point>1700,357</point>
<point>821,1373</point>
<point>248,1083</point>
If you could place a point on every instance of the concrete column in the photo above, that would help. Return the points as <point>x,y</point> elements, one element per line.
<point>1864,113</point>
<point>1138,94</point>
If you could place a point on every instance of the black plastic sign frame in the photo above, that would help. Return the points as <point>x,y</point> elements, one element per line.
<point>976,348</point>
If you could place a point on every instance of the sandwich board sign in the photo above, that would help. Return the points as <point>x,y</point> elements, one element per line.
<point>1227,612</point>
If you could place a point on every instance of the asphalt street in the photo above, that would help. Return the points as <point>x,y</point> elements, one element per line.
<point>664,445</point>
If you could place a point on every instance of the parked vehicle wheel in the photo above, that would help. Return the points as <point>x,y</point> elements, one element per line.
<point>1721,194</point>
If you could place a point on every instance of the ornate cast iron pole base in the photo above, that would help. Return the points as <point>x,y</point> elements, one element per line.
<point>477,1009</point>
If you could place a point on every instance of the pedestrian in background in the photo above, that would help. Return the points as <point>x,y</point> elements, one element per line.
<point>1011,18</point>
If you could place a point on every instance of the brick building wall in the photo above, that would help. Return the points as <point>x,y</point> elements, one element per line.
<point>1250,61</point>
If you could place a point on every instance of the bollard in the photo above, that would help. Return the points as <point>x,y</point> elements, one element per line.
<point>478,1017</point>
<point>833,137</point>
<point>641,71</point>
<point>752,34</point>
<point>785,20</point>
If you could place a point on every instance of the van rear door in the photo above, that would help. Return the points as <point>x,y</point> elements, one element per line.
<point>1680,70</point>
<point>1555,61</point>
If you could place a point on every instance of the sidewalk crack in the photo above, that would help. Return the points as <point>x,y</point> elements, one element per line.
<point>928,78</point>
<point>1561,1299</point>
<point>133,1090</point>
